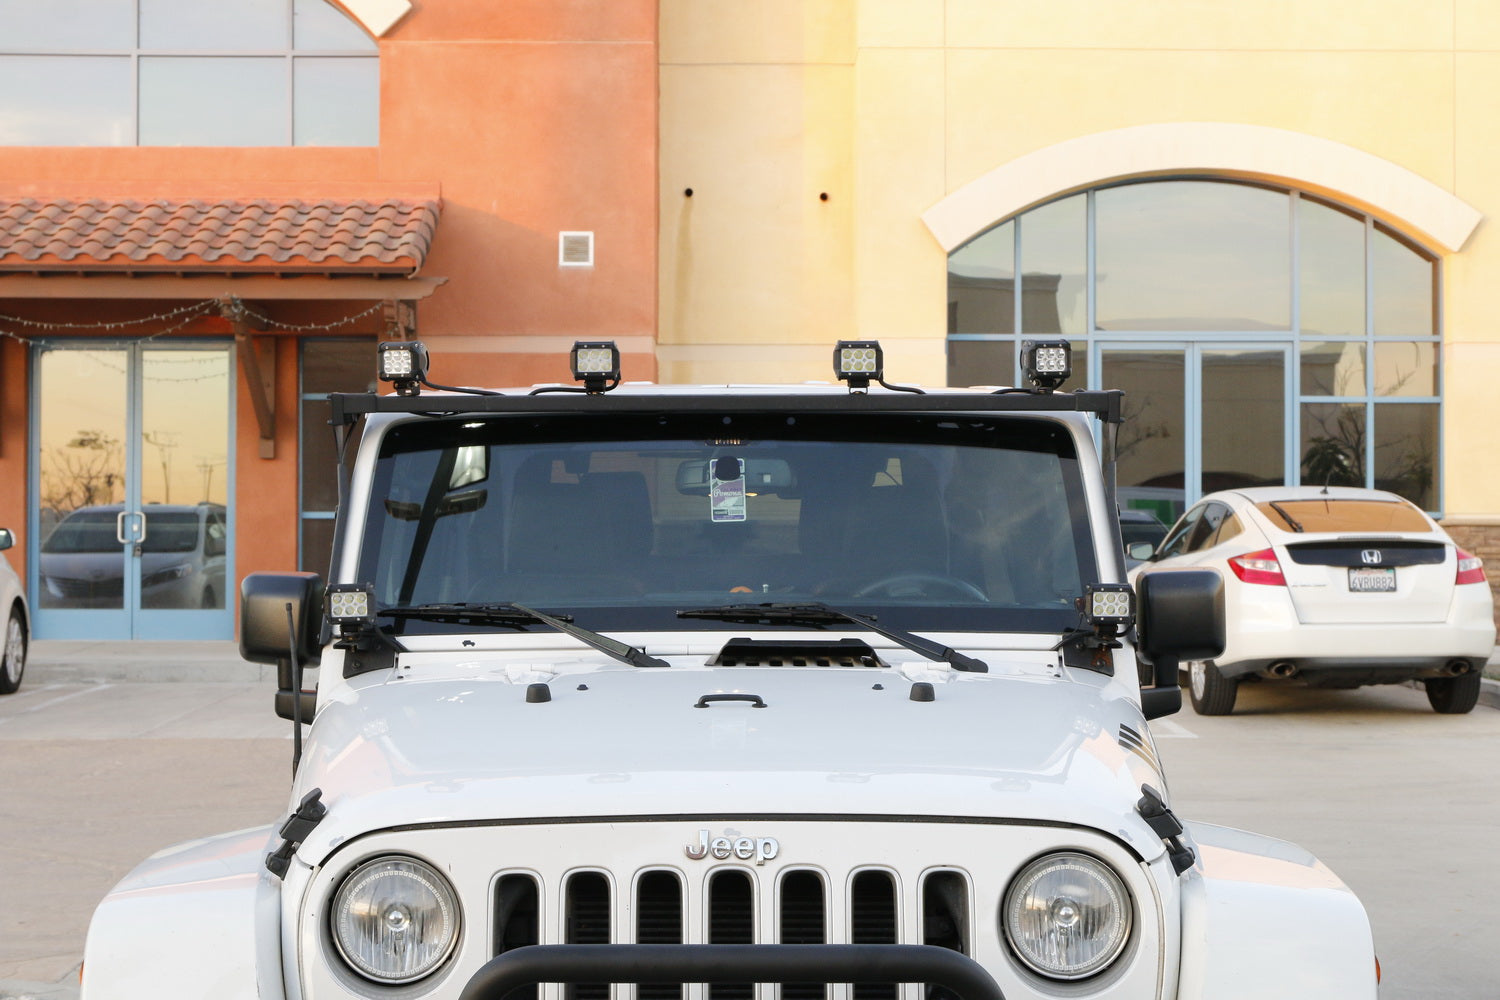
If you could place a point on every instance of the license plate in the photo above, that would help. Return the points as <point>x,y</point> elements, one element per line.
<point>1372,580</point>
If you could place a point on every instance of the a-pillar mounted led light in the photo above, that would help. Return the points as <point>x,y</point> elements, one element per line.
<point>403,363</point>
<point>1046,364</point>
<point>859,362</point>
<point>1109,604</point>
<point>350,606</point>
<point>596,364</point>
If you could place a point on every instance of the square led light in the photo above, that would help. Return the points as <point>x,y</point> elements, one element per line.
<point>1109,603</point>
<point>595,364</point>
<point>858,362</point>
<point>349,604</point>
<point>404,363</point>
<point>1046,364</point>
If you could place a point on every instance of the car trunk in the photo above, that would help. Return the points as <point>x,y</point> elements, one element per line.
<point>1336,580</point>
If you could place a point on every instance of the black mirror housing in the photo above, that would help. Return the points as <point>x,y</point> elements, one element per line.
<point>263,617</point>
<point>1179,616</point>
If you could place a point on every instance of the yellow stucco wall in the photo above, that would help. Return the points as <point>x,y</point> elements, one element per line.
<point>891,106</point>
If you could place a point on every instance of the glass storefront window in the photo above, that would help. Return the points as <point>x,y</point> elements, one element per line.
<point>1192,256</point>
<point>1333,368</point>
<point>1200,275</point>
<point>1330,271</point>
<point>226,73</point>
<point>1054,268</point>
<point>982,284</point>
<point>1404,283</point>
<point>1406,451</point>
<point>71,101</point>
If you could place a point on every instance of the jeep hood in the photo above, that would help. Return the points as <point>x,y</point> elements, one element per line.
<point>617,743</point>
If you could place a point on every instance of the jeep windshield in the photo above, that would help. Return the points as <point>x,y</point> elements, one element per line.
<point>924,521</point>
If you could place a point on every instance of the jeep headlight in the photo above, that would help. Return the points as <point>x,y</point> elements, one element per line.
<point>395,919</point>
<point>1067,916</point>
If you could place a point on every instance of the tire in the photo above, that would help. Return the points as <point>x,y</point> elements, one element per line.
<point>1453,695</point>
<point>1210,691</point>
<point>13,658</point>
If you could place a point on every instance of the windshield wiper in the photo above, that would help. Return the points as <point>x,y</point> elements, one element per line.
<point>1289,519</point>
<point>516,615</point>
<point>816,613</point>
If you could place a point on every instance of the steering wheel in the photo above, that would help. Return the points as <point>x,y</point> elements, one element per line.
<point>899,585</point>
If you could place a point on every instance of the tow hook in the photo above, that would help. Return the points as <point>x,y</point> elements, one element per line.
<point>1164,824</point>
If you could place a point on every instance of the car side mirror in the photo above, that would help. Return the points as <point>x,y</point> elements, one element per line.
<point>1141,551</point>
<point>1180,616</point>
<point>7,539</point>
<point>269,633</point>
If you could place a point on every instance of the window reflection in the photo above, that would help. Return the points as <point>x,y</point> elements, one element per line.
<point>982,284</point>
<point>1333,444</point>
<point>1331,270</point>
<point>181,80</point>
<point>1149,443</point>
<point>1193,255</point>
<point>1403,283</point>
<point>1244,401</point>
<point>1406,369</point>
<point>70,101</point>
<point>1336,368</point>
<point>981,362</point>
<point>1054,267</point>
<point>1406,450</point>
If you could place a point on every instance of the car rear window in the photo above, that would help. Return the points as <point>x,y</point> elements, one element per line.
<point>1343,515</point>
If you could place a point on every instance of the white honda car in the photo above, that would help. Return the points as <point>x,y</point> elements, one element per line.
<point>1334,587</point>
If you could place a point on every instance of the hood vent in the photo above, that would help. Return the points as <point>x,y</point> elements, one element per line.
<point>744,652</point>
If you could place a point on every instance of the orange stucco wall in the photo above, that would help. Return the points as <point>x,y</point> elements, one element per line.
<point>527,118</point>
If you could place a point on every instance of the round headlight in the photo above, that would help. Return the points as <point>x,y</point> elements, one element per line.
<point>395,919</point>
<point>1067,916</point>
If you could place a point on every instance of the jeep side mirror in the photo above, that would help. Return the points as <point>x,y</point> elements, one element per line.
<point>1180,616</point>
<point>269,635</point>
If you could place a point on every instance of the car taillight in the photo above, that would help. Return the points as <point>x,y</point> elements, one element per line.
<point>1470,568</point>
<point>1258,567</point>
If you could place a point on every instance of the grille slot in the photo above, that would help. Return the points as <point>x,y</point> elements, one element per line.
<point>872,920</point>
<point>731,920</point>
<point>587,922</point>
<point>658,920</point>
<point>517,920</point>
<point>802,920</point>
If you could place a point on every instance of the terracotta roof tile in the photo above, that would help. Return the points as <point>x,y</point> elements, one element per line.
<point>346,237</point>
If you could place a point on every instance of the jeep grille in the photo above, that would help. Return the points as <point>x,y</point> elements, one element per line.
<point>659,901</point>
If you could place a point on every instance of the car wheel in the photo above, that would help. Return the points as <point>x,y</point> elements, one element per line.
<point>1209,690</point>
<point>1453,695</point>
<point>13,664</point>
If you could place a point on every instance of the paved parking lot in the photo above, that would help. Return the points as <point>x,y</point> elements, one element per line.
<point>1400,802</point>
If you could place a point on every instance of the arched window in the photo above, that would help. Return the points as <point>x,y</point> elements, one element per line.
<point>185,73</point>
<point>1262,335</point>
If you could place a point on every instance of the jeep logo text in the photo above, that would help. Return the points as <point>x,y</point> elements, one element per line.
<point>759,849</point>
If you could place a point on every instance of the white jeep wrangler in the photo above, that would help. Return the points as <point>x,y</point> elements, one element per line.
<point>810,692</point>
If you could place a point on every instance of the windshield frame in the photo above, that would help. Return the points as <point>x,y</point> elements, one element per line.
<point>1045,434</point>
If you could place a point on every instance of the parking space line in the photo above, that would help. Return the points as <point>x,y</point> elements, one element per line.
<point>91,689</point>
<point>1166,729</point>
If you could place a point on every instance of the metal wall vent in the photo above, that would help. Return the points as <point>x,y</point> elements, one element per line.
<point>575,249</point>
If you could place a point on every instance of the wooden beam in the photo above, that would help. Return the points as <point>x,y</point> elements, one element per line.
<point>259,286</point>
<point>259,371</point>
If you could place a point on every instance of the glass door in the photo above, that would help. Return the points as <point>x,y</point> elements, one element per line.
<point>1199,417</point>
<point>130,492</point>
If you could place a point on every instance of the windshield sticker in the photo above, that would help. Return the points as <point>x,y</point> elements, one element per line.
<point>727,490</point>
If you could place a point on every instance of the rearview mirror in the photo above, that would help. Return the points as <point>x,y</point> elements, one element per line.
<point>269,633</point>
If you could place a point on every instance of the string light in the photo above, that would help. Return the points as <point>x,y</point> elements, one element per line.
<point>182,315</point>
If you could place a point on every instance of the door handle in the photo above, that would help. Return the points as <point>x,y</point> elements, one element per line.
<point>133,536</point>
